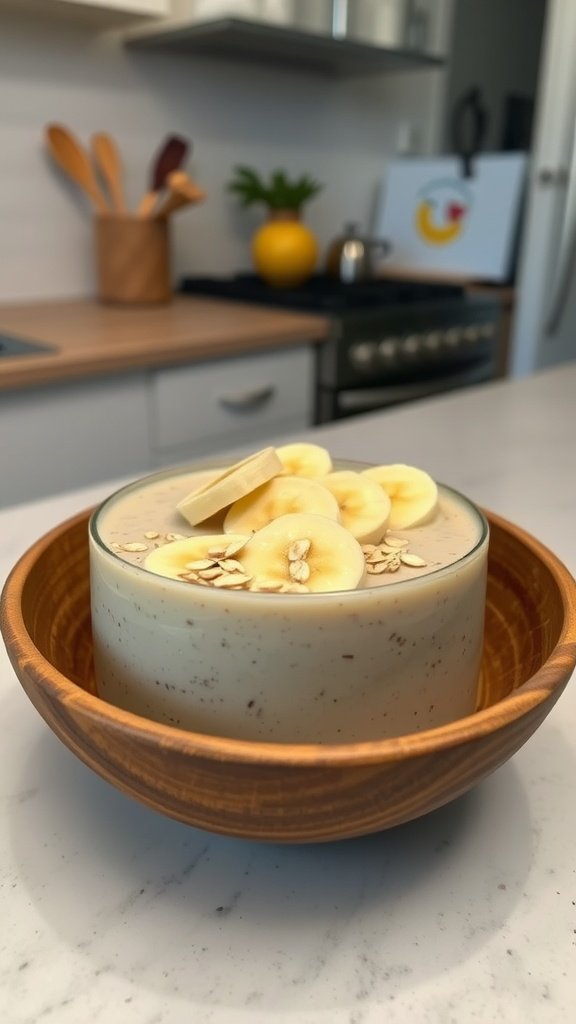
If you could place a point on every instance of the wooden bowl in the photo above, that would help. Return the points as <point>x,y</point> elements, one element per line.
<point>282,792</point>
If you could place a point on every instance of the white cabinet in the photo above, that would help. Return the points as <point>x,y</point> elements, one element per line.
<point>60,437</point>
<point>152,7</point>
<point>105,12</point>
<point>205,407</point>
<point>57,438</point>
<point>280,12</point>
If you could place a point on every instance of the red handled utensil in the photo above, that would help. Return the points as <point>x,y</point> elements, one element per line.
<point>169,157</point>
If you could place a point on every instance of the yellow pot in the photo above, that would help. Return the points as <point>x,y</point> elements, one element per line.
<point>284,252</point>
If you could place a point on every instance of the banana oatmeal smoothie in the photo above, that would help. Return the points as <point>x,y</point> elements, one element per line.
<point>283,599</point>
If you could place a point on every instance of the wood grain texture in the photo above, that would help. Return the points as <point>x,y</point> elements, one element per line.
<point>106,156</point>
<point>91,338</point>
<point>182,191</point>
<point>73,159</point>
<point>289,793</point>
<point>133,260</point>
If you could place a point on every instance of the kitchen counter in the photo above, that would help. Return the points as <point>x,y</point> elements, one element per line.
<point>91,339</point>
<point>113,913</point>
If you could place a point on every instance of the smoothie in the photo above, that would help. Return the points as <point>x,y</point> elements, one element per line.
<point>398,653</point>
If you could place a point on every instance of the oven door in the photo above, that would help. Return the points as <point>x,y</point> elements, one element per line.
<point>334,404</point>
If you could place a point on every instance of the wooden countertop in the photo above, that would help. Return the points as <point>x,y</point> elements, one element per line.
<point>91,339</point>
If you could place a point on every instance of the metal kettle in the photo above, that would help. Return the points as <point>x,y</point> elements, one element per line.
<point>352,258</point>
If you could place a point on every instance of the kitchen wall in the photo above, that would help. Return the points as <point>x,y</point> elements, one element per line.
<point>341,131</point>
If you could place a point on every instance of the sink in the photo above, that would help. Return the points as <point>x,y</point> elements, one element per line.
<point>12,346</point>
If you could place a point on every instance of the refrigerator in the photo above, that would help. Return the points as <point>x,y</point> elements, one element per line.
<point>544,329</point>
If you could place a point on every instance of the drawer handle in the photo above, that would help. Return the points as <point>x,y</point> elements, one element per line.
<point>246,401</point>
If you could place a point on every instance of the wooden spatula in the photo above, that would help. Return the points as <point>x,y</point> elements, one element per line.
<point>71,156</point>
<point>181,192</point>
<point>107,159</point>
<point>169,157</point>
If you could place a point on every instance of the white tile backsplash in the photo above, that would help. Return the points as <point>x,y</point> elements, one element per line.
<point>340,131</point>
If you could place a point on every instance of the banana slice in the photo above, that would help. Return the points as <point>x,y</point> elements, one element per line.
<point>308,460</point>
<point>175,559</point>
<point>363,503</point>
<point>226,488</point>
<point>413,494</point>
<point>283,495</point>
<point>329,559</point>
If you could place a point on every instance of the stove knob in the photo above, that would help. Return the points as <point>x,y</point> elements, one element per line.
<point>387,349</point>
<point>432,341</point>
<point>363,355</point>
<point>472,334</point>
<point>412,344</point>
<point>487,331</point>
<point>453,336</point>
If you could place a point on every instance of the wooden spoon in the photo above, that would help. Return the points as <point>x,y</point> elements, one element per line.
<point>71,156</point>
<point>169,157</point>
<point>107,158</point>
<point>182,192</point>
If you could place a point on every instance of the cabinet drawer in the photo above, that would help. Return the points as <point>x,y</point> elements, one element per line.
<point>230,399</point>
<point>72,435</point>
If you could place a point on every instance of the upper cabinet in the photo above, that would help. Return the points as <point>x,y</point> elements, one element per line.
<point>142,7</point>
<point>99,12</point>
<point>341,37</point>
<point>335,37</point>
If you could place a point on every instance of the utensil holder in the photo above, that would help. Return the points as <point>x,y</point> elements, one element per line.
<point>133,260</point>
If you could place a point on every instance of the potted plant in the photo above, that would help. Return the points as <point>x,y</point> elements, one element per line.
<point>284,250</point>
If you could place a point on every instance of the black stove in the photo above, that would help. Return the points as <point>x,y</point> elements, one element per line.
<point>388,341</point>
<point>321,294</point>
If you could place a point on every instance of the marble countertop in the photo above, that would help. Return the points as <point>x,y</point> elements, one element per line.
<point>111,913</point>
